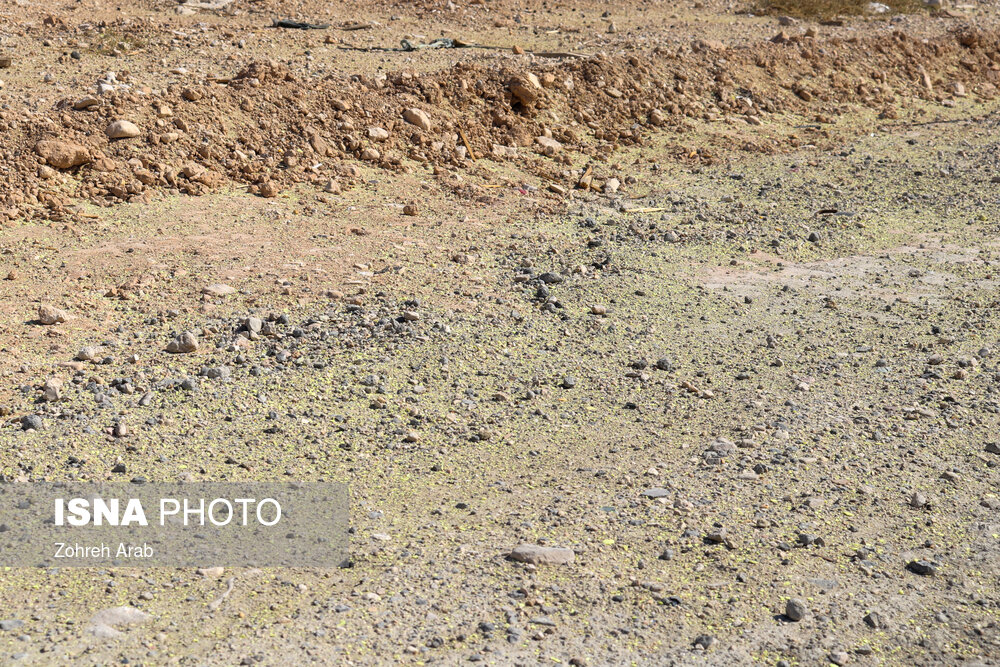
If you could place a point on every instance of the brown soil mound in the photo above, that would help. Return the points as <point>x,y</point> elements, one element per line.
<point>268,127</point>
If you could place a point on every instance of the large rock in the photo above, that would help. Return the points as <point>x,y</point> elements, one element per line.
<point>539,555</point>
<point>184,343</point>
<point>62,154</point>
<point>89,353</point>
<point>417,117</point>
<point>104,623</point>
<point>51,315</point>
<point>701,45</point>
<point>210,572</point>
<point>52,389</point>
<point>220,289</point>
<point>526,88</point>
<point>32,423</point>
<point>122,129</point>
<point>549,145</point>
<point>86,102</point>
<point>796,609</point>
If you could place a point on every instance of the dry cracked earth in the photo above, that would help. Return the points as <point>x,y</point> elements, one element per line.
<point>658,334</point>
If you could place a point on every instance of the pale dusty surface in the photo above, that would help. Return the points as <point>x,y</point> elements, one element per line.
<point>763,368</point>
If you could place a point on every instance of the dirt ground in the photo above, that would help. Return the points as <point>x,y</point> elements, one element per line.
<point>702,293</point>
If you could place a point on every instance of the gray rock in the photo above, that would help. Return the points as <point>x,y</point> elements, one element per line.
<point>219,289</point>
<point>32,423</point>
<point>104,623</point>
<point>665,364</point>
<point>875,621</point>
<point>839,657</point>
<point>806,540</point>
<point>716,536</point>
<point>218,372</point>
<point>539,555</point>
<point>922,567</point>
<point>52,389</point>
<point>722,447</point>
<point>186,342</point>
<point>88,353</point>
<point>796,609</point>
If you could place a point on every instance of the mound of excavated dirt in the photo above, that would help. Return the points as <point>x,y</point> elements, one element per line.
<point>268,126</point>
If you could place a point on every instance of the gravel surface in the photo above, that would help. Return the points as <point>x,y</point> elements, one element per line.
<point>732,400</point>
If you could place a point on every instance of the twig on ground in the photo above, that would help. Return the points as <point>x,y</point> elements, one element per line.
<point>215,604</point>
<point>935,122</point>
<point>465,140</point>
